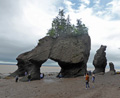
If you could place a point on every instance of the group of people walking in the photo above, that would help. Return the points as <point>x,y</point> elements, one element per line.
<point>87,80</point>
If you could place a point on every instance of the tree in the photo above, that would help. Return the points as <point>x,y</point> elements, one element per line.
<point>58,25</point>
<point>81,29</point>
<point>63,27</point>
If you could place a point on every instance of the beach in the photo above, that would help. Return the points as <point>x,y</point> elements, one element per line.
<point>105,86</point>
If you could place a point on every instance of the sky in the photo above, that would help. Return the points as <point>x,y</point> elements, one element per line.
<point>24,22</point>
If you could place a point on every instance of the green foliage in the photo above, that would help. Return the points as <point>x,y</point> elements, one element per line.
<point>51,32</point>
<point>63,27</point>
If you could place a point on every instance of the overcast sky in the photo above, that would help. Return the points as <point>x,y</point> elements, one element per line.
<point>24,22</point>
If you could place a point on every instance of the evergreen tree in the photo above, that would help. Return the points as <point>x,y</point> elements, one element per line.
<point>63,27</point>
<point>81,29</point>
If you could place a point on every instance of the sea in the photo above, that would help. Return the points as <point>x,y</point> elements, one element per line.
<point>11,68</point>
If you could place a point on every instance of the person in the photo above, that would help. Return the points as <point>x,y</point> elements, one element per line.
<point>29,77</point>
<point>41,75</point>
<point>16,78</point>
<point>93,78</point>
<point>87,80</point>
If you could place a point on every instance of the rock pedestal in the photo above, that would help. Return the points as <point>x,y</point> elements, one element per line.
<point>112,69</point>
<point>111,65</point>
<point>100,60</point>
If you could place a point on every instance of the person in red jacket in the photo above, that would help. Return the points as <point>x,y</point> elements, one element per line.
<point>87,80</point>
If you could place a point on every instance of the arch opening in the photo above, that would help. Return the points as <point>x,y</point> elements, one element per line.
<point>50,68</point>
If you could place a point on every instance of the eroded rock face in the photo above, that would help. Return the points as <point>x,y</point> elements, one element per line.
<point>71,53</point>
<point>31,61</point>
<point>100,60</point>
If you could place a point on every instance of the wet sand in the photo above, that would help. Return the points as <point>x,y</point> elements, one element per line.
<point>105,86</point>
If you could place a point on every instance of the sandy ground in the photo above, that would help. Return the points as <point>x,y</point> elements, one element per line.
<point>105,86</point>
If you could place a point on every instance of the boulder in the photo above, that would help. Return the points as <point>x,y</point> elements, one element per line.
<point>100,60</point>
<point>71,53</point>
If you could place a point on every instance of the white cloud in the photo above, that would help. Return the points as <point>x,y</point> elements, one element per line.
<point>109,11</point>
<point>23,23</point>
<point>114,7</point>
<point>87,2</point>
<point>68,5</point>
<point>96,2</point>
<point>33,21</point>
<point>39,15</point>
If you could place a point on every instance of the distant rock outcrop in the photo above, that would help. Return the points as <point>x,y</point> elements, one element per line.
<point>71,53</point>
<point>100,60</point>
<point>112,69</point>
<point>111,65</point>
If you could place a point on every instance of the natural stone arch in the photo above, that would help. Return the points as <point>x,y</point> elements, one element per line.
<point>50,63</point>
<point>71,53</point>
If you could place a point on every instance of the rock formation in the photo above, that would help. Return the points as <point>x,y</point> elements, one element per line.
<point>112,69</point>
<point>100,60</point>
<point>111,65</point>
<point>31,61</point>
<point>71,53</point>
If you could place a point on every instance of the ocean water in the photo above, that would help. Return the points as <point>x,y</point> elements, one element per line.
<point>12,68</point>
<point>8,68</point>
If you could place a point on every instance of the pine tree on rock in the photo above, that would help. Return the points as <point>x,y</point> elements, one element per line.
<point>63,27</point>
